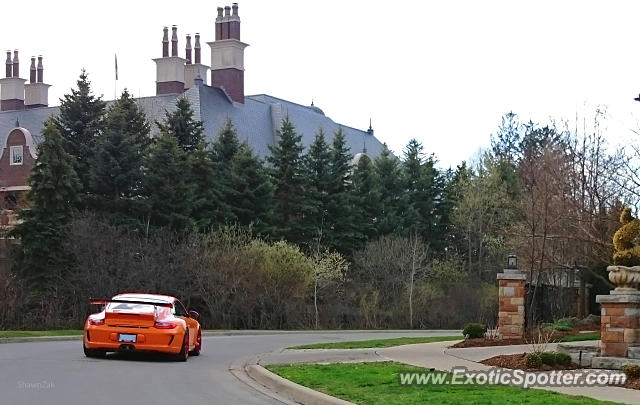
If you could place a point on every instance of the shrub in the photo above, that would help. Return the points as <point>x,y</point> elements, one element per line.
<point>563,326</point>
<point>548,358</point>
<point>546,327</point>
<point>589,320</point>
<point>474,330</point>
<point>632,370</point>
<point>563,359</point>
<point>571,321</point>
<point>532,360</point>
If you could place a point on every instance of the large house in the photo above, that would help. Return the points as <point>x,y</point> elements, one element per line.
<point>216,92</point>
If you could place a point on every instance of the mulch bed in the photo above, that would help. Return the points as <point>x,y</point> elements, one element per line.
<point>514,361</point>
<point>634,383</point>
<point>483,342</point>
<point>488,342</point>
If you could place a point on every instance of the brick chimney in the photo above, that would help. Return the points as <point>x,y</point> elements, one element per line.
<point>36,93</point>
<point>12,86</point>
<point>227,54</point>
<point>170,69</point>
<point>194,69</point>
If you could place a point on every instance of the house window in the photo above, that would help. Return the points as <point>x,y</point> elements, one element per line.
<point>17,156</point>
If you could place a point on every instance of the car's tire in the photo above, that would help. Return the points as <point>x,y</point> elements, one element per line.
<point>196,351</point>
<point>93,353</point>
<point>184,351</point>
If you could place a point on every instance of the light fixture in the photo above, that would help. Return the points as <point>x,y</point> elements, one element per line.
<point>512,261</point>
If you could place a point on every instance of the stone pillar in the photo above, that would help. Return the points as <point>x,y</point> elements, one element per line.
<point>511,302</point>
<point>619,323</point>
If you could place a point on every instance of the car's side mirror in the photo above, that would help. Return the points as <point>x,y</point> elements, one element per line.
<point>194,315</point>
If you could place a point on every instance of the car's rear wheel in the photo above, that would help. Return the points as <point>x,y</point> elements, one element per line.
<point>198,348</point>
<point>94,353</point>
<point>184,352</point>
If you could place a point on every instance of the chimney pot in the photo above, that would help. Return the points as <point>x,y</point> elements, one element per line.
<point>32,70</point>
<point>219,17</point>
<point>188,49</point>
<point>235,9</point>
<point>227,11</point>
<point>16,64</point>
<point>197,49</point>
<point>174,41</point>
<point>9,64</point>
<point>165,43</point>
<point>40,70</point>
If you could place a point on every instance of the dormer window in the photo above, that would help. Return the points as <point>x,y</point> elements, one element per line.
<point>17,155</point>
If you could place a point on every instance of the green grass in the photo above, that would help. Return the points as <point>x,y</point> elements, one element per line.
<point>377,384</point>
<point>578,337</point>
<point>30,333</point>
<point>377,343</point>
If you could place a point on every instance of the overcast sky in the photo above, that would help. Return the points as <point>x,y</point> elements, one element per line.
<point>443,72</point>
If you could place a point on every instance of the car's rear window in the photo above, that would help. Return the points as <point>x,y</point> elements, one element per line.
<point>115,307</point>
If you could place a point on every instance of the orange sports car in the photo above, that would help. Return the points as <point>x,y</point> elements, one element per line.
<point>142,322</point>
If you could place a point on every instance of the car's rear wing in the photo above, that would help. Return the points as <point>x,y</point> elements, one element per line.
<point>104,301</point>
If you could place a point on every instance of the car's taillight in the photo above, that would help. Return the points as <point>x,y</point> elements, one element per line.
<point>96,322</point>
<point>164,325</point>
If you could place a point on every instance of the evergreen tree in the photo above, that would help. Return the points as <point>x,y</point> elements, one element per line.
<point>287,176</point>
<point>116,170</point>
<point>209,208</point>
<point>339,217</point>
<point>80,122</point>
<point>505,144</point>
<point>387,170</point>
<point>317,171</point>
<point>181,124</point>
<point>223,151</point>
<point>423,190</point>
<point>366,200</point>
<point>251,198</point>
<point>54,193</point>
<point>225,147</point>
<point>168,194</point>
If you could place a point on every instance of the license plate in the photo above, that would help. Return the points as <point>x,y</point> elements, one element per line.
<point>123,337</point>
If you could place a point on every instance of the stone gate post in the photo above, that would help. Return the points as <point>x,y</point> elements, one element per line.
<point>511,302</point>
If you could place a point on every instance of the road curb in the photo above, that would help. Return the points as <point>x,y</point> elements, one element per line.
<point>40,339</point>
<point>255,332</point>
<point>289,389</point>
<point>27,339</point>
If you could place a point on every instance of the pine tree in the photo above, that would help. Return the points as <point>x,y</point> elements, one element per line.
<point>387,169</point>
<point>168,195</point>
<point>80,122</point>
<point>366,201</point>
<point>226,146</point>
<point>339,217</point>
<point>116,170</point>
<point>223,151</point>
<point>251,199</point>
<point>181,124</point>
<point>287,177</point>
<point>54,194</point>
<point>318,177</point>
<point>423,187</point>
<point>209,208</point>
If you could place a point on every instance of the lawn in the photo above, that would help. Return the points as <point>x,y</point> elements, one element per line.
<point>378,343</point>
<point>31,333</point>
<point>377,384</point>
<point>579,337</point>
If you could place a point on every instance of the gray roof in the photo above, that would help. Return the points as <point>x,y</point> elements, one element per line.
<point>256,120</point>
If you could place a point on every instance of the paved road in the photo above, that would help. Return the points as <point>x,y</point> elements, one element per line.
<point>57,373</point>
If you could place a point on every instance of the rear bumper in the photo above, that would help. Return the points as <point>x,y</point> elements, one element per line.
<point>147,339</point>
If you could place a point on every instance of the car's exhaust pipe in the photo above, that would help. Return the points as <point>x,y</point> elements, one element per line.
<point>127,348</point>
